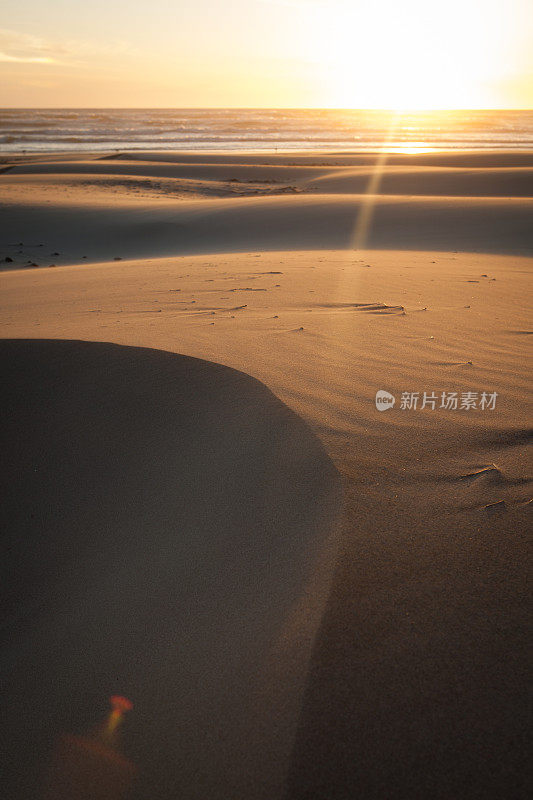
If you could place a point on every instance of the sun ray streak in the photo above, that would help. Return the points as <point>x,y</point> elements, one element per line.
<point>368,202</point>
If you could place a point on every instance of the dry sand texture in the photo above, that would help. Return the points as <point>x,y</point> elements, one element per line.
<point>192,499</point>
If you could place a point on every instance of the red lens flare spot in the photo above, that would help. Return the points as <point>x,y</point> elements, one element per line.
<point>121,704</point>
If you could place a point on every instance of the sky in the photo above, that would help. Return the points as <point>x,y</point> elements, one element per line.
<point>402,54</point>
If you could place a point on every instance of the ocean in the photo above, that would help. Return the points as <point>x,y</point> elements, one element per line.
<point>100,130</point>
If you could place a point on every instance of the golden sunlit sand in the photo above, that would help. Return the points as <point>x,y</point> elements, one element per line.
<point>285,291</point>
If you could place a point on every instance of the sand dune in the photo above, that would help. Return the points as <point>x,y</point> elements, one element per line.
<point>396,179</point>
<point>489,159</point>
<point>100,209</point>
<point>165,515</point>
<point>63,229</point>
<point>431,181</point>
<point>415,687</point>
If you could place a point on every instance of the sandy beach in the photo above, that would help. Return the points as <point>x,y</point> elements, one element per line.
<point>304,595</point>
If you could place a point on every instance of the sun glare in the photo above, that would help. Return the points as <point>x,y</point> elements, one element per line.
<point>405,55</point>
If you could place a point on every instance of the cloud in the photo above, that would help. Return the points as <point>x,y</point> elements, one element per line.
<point>23,48</point>
<point>5,57</point>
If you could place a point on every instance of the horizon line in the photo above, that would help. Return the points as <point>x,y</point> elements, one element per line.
<point>261,108</point>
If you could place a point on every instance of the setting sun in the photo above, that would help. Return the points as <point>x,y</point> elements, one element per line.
<point>416,54</point>
<point>413,54</point>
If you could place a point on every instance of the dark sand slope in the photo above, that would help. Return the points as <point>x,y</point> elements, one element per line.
<point>109,229</point>
<point>163,516</point>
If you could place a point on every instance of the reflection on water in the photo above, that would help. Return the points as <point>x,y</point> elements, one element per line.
<point>261,129</point>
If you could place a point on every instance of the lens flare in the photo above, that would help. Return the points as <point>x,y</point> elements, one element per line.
<point>119,705</point>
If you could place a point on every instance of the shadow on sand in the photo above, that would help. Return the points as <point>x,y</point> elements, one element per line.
<point>163,517</point>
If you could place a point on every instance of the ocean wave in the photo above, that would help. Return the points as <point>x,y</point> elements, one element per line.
<point>152,129</point>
